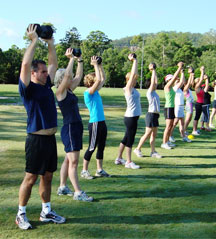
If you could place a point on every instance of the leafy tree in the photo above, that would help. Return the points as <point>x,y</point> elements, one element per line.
<point>72,39</point>
<point>95,43</point>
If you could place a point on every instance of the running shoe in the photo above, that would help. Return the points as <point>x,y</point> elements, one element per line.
<point>102,173</point>
<point>212,126</point>
<point>155,155</point>
<point>23,222</point>
<point>185,139</point>
<point>171,144</point>
<point>171,139</point>
<point>202,128</point>
<point>131,165</point>
<point>119,161</point>
<point>82,197</point>
<point>166,146</point>
<point>86,174</point>
<point>52,216</point>
<point>64,191</point>
<point>195,133</point>
<point>138,153</point>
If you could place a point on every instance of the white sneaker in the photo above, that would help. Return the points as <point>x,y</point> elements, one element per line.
<point>131,165</point>
<point>211,126</point>
<point>119,161</point>
<point>138,153</point>
<point>155,155</point>
<point>165,146</point>
<point>86,174</point>
<point>195,133</point>
<point>171,144</point>
<point>185,139</point>
<point>171,139</point>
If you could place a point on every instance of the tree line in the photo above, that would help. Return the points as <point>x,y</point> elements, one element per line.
<point>166,49</point>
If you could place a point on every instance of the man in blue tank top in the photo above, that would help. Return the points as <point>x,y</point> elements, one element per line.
<point>41,154</point>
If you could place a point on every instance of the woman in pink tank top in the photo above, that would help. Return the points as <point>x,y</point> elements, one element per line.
<point>200,99</point>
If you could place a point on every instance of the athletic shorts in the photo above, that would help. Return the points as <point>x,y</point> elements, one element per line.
<point>179,111</point>
<point>169,113</point>
<point>151,120</point>
<point>41,154</point>
<point>189,108</point>
<point>71,135</point>
<point>214,104</point>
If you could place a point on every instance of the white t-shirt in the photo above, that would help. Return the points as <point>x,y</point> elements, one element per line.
<point>179,96</point>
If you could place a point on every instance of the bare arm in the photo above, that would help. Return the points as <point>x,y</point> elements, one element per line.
<point>79,74</point>
<point>97,83</point>
<point>189,82</point>
<point>170,83</point>
<point>154,80</point>
<point>202,69</point>
<point>68,76</point>
<point>206,83</point>
<point>182,80</point>
<point>25,74</point>
<point>103,76</point>
<point>132,80</point>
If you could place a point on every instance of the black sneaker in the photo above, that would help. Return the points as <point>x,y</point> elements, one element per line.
<point>52,216</point>
<point>22,222</point>
<point>102,173</point>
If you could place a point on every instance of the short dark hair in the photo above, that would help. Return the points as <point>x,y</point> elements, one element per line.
<point>35,63</point>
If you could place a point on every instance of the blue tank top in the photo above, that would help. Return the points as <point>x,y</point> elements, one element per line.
<point>39,103</point>
<point>69,108</point>
<point>95,106</point>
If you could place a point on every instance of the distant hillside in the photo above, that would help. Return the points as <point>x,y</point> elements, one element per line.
<point>195,38</point>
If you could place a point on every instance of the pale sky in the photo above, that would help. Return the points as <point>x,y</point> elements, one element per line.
<point>116,18</point>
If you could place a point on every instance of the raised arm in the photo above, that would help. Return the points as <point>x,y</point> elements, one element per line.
<point>206,83</point>
<point>170,83</point>
<point>190,79</point>
<point>202,70</point>
<point>25,74</point>
<point>68,76</point>
<point>52,59</point>
<point>132,80</point>
<point>79,73</point>
<point>182,80</point>
<point>98,80</point>
<point>154,80</point>
<point>103,76</point>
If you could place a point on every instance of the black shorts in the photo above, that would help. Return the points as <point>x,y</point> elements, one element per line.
<point>71,135</point>
<point>41,154</point>
<point>214,104</point>
<point>151,120</point>
<point>169,113</point>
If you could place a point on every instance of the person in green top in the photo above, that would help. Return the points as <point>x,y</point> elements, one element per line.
<point>169,106</point>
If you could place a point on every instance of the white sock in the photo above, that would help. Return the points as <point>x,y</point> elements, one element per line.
<point>21,210</point>
<point>46,207</point>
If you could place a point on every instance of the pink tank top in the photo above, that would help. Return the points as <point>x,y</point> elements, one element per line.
<point>200,96</point>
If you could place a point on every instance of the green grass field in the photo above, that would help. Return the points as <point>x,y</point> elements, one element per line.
<point>172,197</point>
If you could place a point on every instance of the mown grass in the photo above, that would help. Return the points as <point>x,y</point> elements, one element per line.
<point>172,197</point>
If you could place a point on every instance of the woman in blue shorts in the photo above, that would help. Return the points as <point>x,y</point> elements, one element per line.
<point>72,130</point>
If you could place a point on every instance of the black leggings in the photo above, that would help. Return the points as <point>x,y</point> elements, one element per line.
<point>97,137</point>
<point>199,110</point>
<point>131,128</point>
